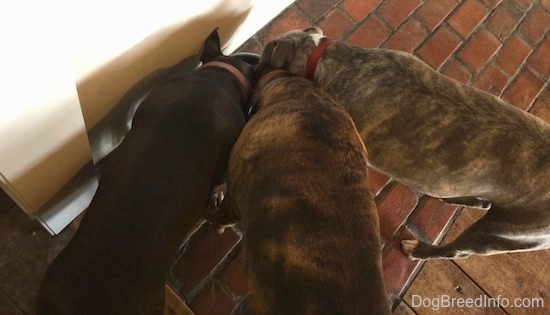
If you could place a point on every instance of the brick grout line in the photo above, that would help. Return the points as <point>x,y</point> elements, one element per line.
<point>173,280</point>
<point>449,224</point>
<point>232,254</point>
<point>356,25</point>
<point>190,238</point>
<point>399,297</point>
<point>476,30</point>
<point>295,7</point>
<point>466,40</point>
<point>525,65</point>
<point>384,191</point>
<point>443,23</point>
<point>210,277</point>
<point>420,201</point>
<point>535,99</point>
<point>376,13</point>
<point>327,13</point>
<point>453,53</point>
<point>460,63</point>
<point>349,31</point>
<point>515,31</point>
<point>395,29</point>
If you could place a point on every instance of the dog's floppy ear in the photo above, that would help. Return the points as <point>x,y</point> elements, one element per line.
<point>313,30</point>
<point>281,50</point>
<point>211,47</point>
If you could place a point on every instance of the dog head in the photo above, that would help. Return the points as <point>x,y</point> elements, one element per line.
<point>292,49</point>
<point>211,52</point>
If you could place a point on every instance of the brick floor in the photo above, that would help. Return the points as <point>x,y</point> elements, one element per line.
<point>502,47</point>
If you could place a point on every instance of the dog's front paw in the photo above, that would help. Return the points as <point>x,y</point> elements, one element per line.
<point>217,199</point>
<point>218,195</point>
<point>408,247</point>
<point>215,202</point>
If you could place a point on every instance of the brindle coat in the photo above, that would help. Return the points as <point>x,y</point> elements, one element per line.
<point>297,177</point>
<point>440,137</point>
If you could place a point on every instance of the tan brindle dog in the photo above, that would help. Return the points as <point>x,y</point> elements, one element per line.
<point>297,181</point>
<point>439,137</point>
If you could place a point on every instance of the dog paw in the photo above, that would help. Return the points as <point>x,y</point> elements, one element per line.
<point>217,199</point>
<point>215,202</point>
<point>219,228</point>
<point>218,195</point>
<point>408,247</point>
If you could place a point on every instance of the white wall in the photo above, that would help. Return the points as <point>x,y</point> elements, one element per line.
<point>66,64</point>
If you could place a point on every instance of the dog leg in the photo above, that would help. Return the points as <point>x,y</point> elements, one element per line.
<point>221,210</point>
<point>487,236</point>
<point>472,202</point>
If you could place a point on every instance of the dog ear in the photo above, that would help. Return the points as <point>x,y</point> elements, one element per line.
<point>313,30</point>
<point>211,47</point>
<point>281,50</point>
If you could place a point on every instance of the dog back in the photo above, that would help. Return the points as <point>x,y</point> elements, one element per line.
<point>298,177</point>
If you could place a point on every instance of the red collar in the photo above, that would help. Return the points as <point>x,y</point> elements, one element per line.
<point>313,59</point>
<point>243,83</point>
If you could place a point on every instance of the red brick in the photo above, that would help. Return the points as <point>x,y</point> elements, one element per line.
<point>457,71</point>
<point>396,11</point>
<point>377,181</point>
<point>513,54</point>
<point>212,300</point>
<point>202,255</point>
<point>407,37</point>
<point>335,24</point>
<point>541,108</point>
<point>372,33</point>
<point>522,92</point>
<point>398,269</point>
<point>431,219</point>
<point>394,209</point>
<point>439,47</point>
<point>434,11</point>
<point>468,16</point>
<point>315,9</point>
<point>491,80</point>
<point>536,24</point>
<point>504,19</point>
<point>287,21</point>
<point>479,49</point>
<point>359,9</point>
<point>540,60</point>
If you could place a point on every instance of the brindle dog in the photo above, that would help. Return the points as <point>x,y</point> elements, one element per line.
<point>154,188</point>
<point>438,136</point>
<point>297,177</point>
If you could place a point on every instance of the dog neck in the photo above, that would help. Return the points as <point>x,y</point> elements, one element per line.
<point>271,77</point>
<point>314,57</point>
<point>243,83</point>
<point>265,81</point>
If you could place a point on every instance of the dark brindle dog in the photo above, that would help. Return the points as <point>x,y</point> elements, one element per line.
<point>154,188</point>
<point>438,136</point>
<point>297,177</point>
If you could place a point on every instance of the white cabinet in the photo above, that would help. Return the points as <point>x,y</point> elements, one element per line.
<point>65,65</point>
